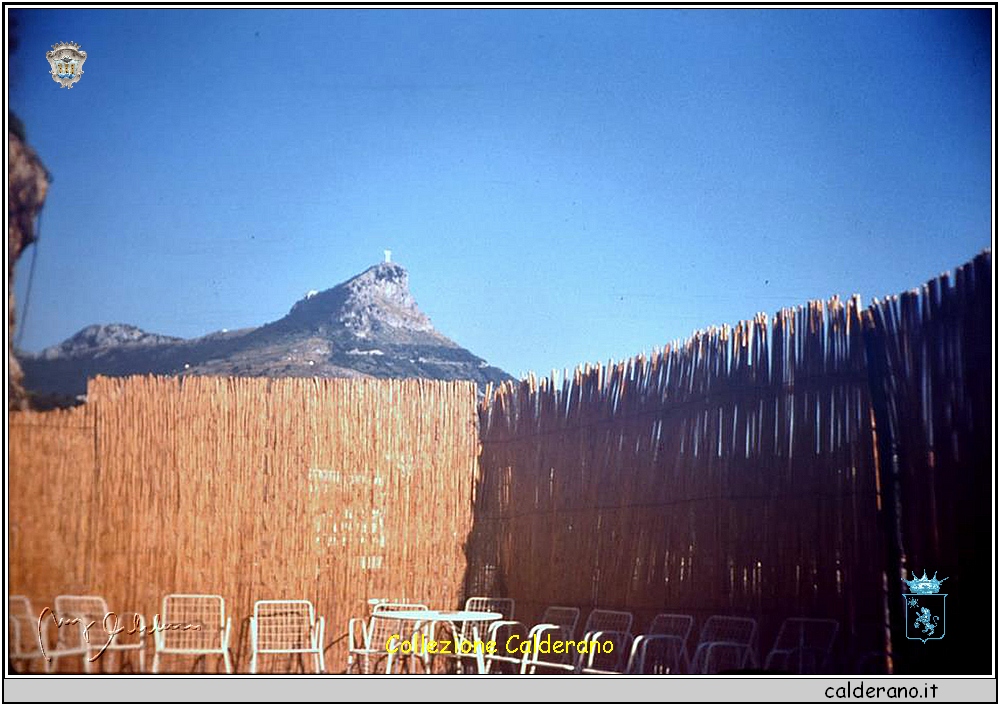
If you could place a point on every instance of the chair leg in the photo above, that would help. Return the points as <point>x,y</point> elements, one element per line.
<point>156,663</point>
<point>229,664</point>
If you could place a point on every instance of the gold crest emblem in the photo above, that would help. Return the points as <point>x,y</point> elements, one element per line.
<point>66,60</point>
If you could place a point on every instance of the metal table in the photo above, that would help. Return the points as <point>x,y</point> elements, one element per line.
<point>425,624</point>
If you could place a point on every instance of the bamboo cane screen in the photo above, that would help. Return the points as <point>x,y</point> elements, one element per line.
<point>930,353</point>
<point>328,490</point>
<point>740,473</point>
<point>733,474</point>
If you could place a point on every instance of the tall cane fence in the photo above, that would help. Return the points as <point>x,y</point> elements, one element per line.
<point>932,377</point>
<point>746,473</point>
<point>333,491</point>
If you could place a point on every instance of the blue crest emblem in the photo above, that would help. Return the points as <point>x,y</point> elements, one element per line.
<point>66,63</point>
<point>924,608</point>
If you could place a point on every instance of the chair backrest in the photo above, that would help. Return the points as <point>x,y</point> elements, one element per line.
<point>672,624</point>
<point>724,628</point>
<point>19,608</point>
<point>504,606</point>
<point>23,621</point>
<point>474,629</point>
<point>563,616</point>
<point>725,643</point>
<point>657,654</point>
<point>283,625</point>
<point>607,651</point>
<point>718,657</point>
<point>205,613</point>
<point>87,609</point>
<point>23,627</point>
<point>614,620</point>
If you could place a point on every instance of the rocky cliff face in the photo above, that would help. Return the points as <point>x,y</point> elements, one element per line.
<point>27,185</point>
<point>369,325</point>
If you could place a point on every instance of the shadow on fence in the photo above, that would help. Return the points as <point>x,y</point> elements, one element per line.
<point>791,467</point>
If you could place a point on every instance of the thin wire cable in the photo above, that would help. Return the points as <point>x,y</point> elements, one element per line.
<point>31,278</point>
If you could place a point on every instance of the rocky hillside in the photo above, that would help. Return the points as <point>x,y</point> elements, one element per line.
<point>367,326</point>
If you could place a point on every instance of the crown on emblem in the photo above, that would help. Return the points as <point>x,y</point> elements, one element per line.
<point>924,584</point>
<point>66,45</point>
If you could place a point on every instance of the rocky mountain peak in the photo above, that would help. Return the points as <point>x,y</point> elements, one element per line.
<point>98,336</point>
<point>376,301</point>
<point>368,326</point>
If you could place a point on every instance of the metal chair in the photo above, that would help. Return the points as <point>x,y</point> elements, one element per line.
<point>658,654</point>
<point>563,616</point>
<point>599,659</point>
<point>210,632</point>
<point>502,633</point>
<point>802,646</point>
<point>286,627</point>
<point>477,629</point>
<point>105,633</point>
<point>23,634</point>
<point>725,643</point>
<point>30,634</point>
<point>366,645</point>
<point>503,606</point>
<point>536,660</point>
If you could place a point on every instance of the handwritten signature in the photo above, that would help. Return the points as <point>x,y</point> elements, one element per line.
<point>112,626</point>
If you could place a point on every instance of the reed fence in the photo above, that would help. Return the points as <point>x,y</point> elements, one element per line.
<point>329,490</point>
<point>739,473</point>
<point>932,377</point>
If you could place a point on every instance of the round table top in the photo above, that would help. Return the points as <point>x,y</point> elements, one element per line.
<point>454,616</point>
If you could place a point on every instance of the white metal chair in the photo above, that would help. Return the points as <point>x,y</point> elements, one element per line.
<point>802,646</point>
<point>109,634</point>
<point>366,645</point>
<point>31,634</point>
<point>286,627</point>
<point>564,616</point>
<point>22,634</point>
<point>478,629</point>
<point>503,606</point>
<point>209,633</point>
<point>658,654</point>
<point>725,643</point>
<point>502,632</point>
<point>607,652</point>
<point>536,660</point>
<point>675,625</point>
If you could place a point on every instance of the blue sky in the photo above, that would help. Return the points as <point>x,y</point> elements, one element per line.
<point>563,186</point>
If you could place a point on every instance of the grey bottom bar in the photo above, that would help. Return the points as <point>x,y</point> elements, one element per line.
<point>29,689</point>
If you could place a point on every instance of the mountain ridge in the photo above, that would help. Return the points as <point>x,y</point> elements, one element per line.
<point>367,326</point>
